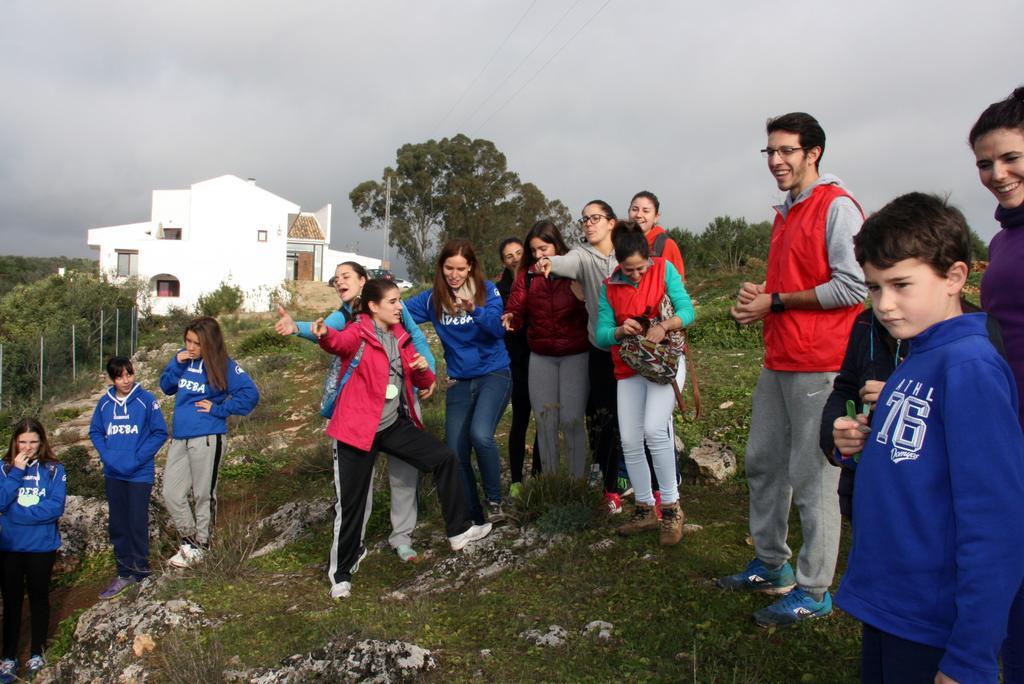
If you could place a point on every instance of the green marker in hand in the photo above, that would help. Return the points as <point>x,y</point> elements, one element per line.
<point>851,412</point>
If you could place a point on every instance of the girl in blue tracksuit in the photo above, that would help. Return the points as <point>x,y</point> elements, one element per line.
<point>127,430</point>
<point>348,281</point>
<point>466,310</point>
<point>208,387</point>
<point>32,490</point>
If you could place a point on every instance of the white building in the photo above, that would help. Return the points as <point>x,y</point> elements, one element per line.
<point>222,230</point>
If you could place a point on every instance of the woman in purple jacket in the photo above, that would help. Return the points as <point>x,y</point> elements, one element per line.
<point>997,139</point>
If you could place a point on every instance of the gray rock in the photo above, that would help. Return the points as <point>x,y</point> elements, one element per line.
<point>710,462</point>
<point>102,649</point>
<point>599,628</point>
<point>365,661</point>
<point>291,520</point>
<point>554,637</point>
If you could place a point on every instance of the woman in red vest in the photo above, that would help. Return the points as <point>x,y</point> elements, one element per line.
<point>629,300</point>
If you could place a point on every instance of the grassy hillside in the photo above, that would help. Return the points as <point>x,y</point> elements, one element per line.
<point>564,563</point>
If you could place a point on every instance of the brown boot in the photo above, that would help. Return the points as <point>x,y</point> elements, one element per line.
<point>672,519</point>
<point>644,518</point>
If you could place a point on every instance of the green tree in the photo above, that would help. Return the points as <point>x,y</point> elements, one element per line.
<point>455,187</point>
<point>725,244</point>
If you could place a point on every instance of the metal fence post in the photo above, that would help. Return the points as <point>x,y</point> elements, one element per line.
<point>74,366</point>
<point>40,368</point>
<point>117,330</point>
<point>101,339</point>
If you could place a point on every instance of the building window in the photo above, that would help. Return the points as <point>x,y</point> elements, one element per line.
<point>127,263</point>
<point>171,234</point>
<point>168,288</point>
<point>261,235</point>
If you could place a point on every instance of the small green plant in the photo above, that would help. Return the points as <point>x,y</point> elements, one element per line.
<point>263,342</point>
<point>225,299</point>
<point>65,636</point>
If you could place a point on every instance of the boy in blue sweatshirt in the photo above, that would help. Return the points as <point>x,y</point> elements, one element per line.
<point>127,430</point>
<point>937,549</point>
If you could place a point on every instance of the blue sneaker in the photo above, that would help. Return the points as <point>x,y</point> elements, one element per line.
<point>33,666</point>
<point>758,577</point>
<point>8,670</point>
<point>795,606</point>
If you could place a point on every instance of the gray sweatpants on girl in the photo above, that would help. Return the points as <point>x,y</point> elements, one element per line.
<point>785,465</point>
<point>192,465</point>
<point>404,480</point>
<point>558,395</point>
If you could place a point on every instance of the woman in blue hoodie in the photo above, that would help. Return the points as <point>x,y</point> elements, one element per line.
<point>208,386</point>
<point>465,310</point>
<point>127,430</point>
<point>32,490</point>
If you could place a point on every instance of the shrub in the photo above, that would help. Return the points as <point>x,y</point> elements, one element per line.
<point>558,503</point>
<point>225,299</point>
<point>262,342</point>
<point>84,477</point>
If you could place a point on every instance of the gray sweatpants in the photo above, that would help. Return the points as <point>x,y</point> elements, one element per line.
<point>558,395</point>
<point>785,465</point>
<point>404,480</point>
<point>192,466</point>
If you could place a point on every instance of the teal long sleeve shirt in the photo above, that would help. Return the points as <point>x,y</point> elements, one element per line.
<point>605,332</point>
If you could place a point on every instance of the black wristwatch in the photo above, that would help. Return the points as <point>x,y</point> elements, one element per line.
<point>777,305</point>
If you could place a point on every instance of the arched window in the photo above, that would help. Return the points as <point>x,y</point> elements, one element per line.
<point>166,285</point>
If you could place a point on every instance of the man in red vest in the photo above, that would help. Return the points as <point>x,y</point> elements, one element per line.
<point>813,291</point>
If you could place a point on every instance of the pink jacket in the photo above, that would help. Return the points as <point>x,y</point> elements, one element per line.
<point>360,404</point>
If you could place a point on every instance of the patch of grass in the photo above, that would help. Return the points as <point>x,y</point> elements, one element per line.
<point>188,657</point>
<point>231,547</point>
<point>558,503</point>
<point>65,636</point>
<point>249,465</point>
<point>93,568</point>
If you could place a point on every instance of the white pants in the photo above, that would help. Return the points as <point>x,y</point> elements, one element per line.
<point>645,415</point>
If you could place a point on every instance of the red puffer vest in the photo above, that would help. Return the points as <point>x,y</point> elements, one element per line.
<point>630,300</point>
<point>804,340</point>
<point>556,321</point>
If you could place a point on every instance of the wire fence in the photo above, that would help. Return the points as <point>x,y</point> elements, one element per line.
<point>34,368</point>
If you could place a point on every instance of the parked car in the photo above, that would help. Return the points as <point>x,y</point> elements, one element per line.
<point>403,284</point>
<point>380,273</point>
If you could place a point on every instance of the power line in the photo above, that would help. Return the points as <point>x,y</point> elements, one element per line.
<point>477,78</point>
<point>545,64</point>
<point>520,65</point>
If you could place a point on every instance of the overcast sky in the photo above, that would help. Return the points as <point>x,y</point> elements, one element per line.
<point>105,101</point>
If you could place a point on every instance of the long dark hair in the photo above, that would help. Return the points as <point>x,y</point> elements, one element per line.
<point>214,353</point>
<point>44,453</point>
<point>443,293</point>
<point>548,232</point>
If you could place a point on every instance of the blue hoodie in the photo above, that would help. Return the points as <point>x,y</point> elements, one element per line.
<point>474,343</point>
<point>337,321</point>
<point>938,548</point>
<point>188,381</point>
<point>127,433</point>
<point>31,502</point>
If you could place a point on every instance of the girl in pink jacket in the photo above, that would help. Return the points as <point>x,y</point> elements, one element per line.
<point>375,411</point>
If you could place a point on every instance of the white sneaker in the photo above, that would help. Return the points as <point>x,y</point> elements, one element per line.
<point>186,557</point>
<point>474,533</point>
<point>341,590</point>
